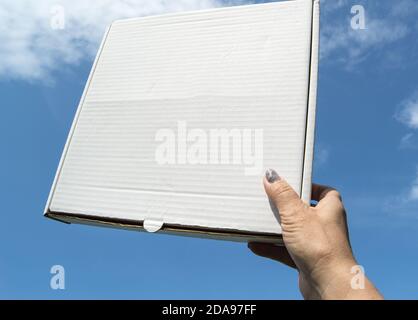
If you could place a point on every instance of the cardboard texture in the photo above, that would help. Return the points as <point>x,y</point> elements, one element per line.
<point>181,115</point>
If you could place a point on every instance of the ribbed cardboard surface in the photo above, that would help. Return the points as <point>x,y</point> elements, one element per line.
<point>245,70</point>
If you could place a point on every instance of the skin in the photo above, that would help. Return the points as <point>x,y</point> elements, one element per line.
<point>316,242</point>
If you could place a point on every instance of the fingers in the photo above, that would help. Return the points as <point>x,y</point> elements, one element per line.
<point>272,251</point>
<point>319,192</point>
<point>281,194</point>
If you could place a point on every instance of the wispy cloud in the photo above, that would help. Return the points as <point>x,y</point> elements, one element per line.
<point>31,49</point>
<point>321,155</point>
<point>407,114</point>
<point>403,209</point>
<point>409,141</point>
<point>349,46</point>
<point>408,111</point>
<point>384,25</point>
<point>413,193</point>
<point>409,198</point>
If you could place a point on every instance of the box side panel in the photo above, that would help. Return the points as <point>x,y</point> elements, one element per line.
<point>310,130</point>
<point>171,230</point>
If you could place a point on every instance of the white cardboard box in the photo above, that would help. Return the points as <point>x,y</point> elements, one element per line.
<point>181,115</point>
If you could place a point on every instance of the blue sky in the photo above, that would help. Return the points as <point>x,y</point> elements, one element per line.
<point>367,146</point>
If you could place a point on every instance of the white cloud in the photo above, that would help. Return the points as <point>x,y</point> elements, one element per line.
<point>412,195</point>
<point>342,44</point>
<point>405,203</point>
<point>408,113</point>
<point>31,50</point>
<point>355,45</point>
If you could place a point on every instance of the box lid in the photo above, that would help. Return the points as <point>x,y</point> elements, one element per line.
<point>182,113</point>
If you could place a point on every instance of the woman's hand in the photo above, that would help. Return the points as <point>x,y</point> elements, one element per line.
<point>316,242</point>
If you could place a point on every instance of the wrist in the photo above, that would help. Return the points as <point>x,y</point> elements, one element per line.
<point>342,279</point>
<point>332,278</point>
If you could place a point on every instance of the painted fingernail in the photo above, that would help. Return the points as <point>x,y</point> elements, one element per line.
<point>272,176</point>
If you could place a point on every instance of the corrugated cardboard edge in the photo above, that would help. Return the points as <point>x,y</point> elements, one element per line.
<point>311,114</point>
<point>200,232</point>
<point>233,235</point>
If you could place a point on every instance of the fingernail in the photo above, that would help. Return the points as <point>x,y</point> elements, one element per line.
<point>272,176</point>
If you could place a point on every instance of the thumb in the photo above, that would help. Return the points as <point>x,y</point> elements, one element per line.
<point>282,195</point>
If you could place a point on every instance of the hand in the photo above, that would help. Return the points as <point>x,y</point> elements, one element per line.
<point>316,242</point>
